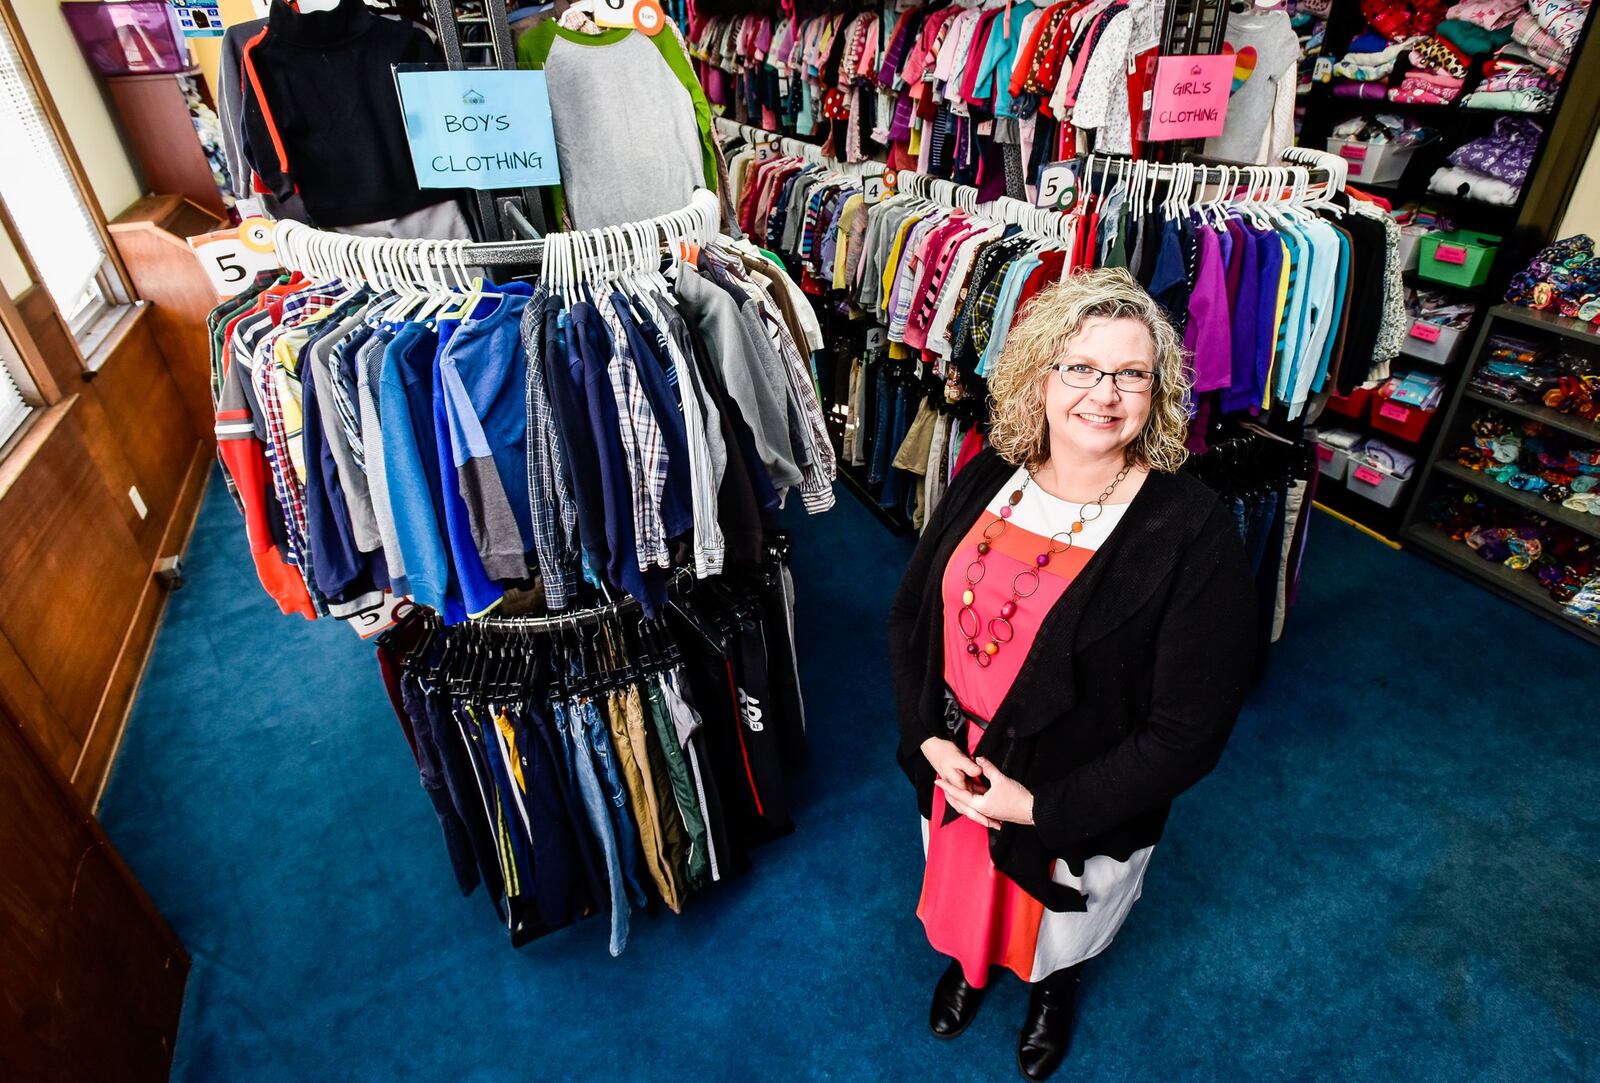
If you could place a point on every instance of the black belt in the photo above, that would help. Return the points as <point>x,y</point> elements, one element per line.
<point>955,715</point>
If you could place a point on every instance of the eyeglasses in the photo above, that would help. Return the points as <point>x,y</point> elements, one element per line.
<point>1132,381</point>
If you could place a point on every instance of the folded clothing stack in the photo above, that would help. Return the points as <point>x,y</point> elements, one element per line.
<point>1441,62</point>
<point>1343,439</point>
<point>1385,456</point>
<point>1525,72</point>
<point>1533,458</point>
<point>1493,167</point>
<point>1563,278</point>
<point>1439,307</point>
<point>1309,29</point>
<point>1420,389</point>
<point>1420,54</point>
<point>1398,21</point>
<point>1518,371</point>
<point>1384,128</point>
<point>1371,58</point>
<point>1549,30</point>
<point>1565,562</point>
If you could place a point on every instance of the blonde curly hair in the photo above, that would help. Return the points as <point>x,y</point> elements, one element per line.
<point>1019,429</point>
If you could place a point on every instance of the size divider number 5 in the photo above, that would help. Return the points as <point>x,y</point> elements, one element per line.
<point>1058,187</point>
<point>644,16</point>
<point>231,258</point>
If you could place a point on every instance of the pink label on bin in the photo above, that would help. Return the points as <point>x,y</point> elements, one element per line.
<point>1324,452</point>
<point>1393,412</point>
<point>1353,151</point>
<point>1450,253</point>
<point>1427,332</point>
<point>1354,169</point>
<point>1368,475</point>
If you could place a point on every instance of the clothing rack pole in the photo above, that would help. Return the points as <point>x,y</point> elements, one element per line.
<point>577,618</point>
<point>798,148</point>
<point>700,217</point>
<point>493,210</point>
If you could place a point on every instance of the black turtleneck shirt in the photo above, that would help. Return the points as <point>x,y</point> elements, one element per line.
<point>322,113</point>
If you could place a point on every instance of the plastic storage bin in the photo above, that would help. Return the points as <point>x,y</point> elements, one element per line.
<point>1398,419</point>
<point>1409,248</point>
<point>1375,163</point>
<point>1431,342</point>
<point>134,38</point>
<point>1332,461</point>
<point>1460,257</point>
<point>1354,406</point>
<point>1374,483</point>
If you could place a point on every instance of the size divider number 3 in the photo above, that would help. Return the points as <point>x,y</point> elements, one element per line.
<point>644,16</point>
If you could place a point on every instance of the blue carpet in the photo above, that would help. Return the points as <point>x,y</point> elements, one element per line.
<point>1394,874</point>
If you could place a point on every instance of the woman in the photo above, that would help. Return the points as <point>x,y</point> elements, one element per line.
<point>1070,646</point>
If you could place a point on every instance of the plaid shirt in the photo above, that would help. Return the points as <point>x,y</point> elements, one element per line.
<point>702,428</point>
<point>643,446</point>
<point>555,515</point>
<point>271,386</point>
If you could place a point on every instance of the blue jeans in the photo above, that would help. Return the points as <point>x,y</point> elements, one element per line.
<point>630,849</point>
<point>1266,513</point>
<point>882,408</point>
<point>893,493</point>
<point>575,747</point>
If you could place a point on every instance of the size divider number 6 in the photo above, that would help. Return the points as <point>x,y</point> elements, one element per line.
<point>644,16</point>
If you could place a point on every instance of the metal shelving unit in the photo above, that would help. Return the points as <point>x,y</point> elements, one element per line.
<point>1465,403</point>
<point>1525,226</point>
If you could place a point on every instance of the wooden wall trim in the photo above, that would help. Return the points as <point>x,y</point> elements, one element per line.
<point>79,605</point>
<point>100,746</point>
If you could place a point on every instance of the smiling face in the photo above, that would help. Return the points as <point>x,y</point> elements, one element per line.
<point>1089,423</point>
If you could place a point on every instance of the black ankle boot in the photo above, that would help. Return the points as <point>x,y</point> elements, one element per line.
<point>955,1003</point>
<point>1047,1030</point>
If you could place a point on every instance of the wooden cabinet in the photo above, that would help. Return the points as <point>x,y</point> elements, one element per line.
<point>93,978</point>
<point>156,118</point>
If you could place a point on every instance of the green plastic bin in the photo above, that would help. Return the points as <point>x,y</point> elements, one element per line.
<point>1458,257</point>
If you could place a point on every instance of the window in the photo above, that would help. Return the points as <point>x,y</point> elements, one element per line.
<point>45,205</point>
<point>14,407</point>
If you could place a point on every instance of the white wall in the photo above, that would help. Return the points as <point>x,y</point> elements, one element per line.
<point>1583,213</point>
<point>72,86</point>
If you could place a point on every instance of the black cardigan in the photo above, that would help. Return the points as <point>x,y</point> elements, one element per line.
<point>1126,697</point>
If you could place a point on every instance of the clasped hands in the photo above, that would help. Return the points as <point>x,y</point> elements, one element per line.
<point>975,787</point>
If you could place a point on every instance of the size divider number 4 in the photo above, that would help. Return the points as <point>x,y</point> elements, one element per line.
<point>876,188</point>
<point>644,16</point>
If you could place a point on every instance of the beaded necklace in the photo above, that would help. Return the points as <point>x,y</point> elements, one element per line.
<point>968,621</point>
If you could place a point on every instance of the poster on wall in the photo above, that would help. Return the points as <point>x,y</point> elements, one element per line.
<point>482,129</point>
<point>198,18</point>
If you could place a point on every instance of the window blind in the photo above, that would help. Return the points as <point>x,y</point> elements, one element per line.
<point>46,205</point>
<point>14,409</point>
